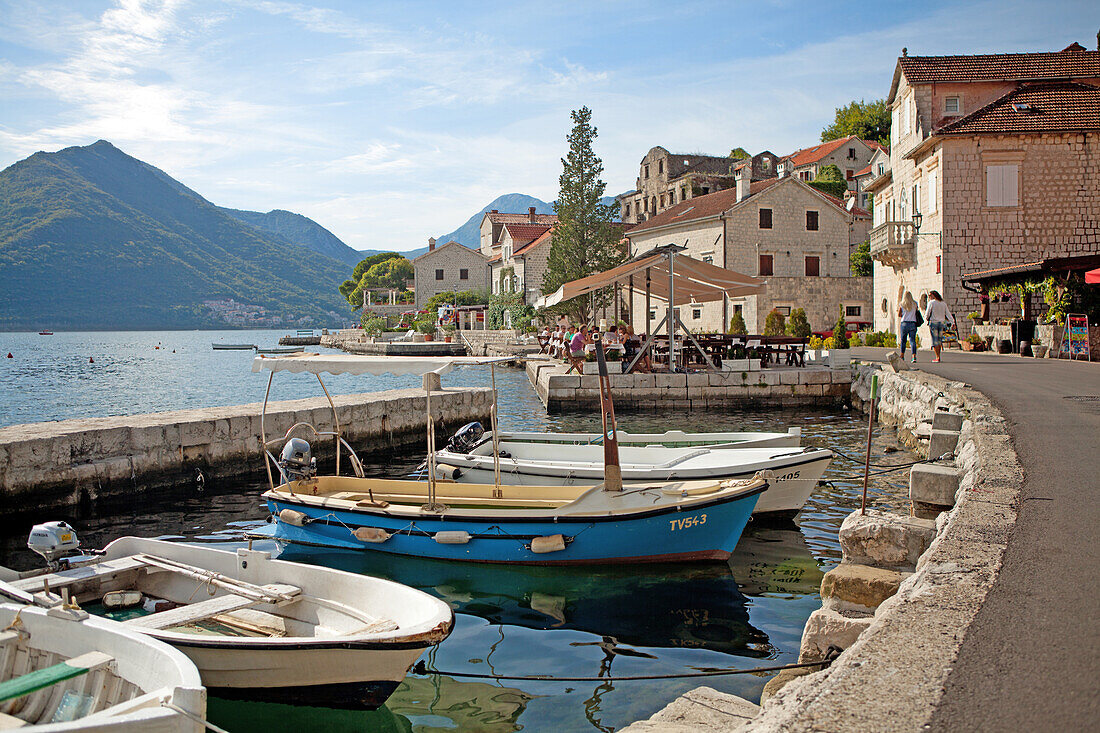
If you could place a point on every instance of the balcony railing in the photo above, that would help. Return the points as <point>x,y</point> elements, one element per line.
<point>894,243</point>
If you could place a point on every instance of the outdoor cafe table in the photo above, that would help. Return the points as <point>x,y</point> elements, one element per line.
<point>777,349</point>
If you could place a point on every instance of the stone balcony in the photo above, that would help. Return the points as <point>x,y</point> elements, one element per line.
<point>894,243</point>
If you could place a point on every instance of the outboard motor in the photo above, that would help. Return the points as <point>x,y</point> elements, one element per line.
<point>52,540</point>
<point>466,438</point>
<point>297,462</point>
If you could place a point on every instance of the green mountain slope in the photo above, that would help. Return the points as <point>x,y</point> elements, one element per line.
<point>93,238</point>
<point>298,229</point>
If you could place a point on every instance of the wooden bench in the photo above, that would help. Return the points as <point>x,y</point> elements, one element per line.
<point>193,612</point>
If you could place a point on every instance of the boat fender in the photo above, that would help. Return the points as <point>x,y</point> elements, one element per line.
<point>447,472</point>
<point>452,537</point>
<point>370,534</point>
<point>296,518</point>
<point>552,543</point>
<point>122,599</point>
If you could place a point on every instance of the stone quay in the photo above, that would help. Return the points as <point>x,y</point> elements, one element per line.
<point>79,463</point>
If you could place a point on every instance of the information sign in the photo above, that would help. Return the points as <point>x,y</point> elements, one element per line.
<point>1075,337</point>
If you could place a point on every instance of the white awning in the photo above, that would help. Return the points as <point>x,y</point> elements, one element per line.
<point>376,365</point>
<point>694,281</point>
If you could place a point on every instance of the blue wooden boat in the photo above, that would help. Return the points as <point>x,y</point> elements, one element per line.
<point>658,522</point>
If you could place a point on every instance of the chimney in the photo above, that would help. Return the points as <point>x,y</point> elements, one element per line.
<point>431,243</point>
<point>494,211</point>
<point>531,213</point>
<point>742,186</point>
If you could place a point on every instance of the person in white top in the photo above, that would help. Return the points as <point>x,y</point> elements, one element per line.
<point>939,318</point>
<point>907,312</point>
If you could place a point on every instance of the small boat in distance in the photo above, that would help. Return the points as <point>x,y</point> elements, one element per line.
<point>279,350</point>
<point>234,347</point>
<point>45,332</point>
<point>256,628</point>
<point>63,670</point>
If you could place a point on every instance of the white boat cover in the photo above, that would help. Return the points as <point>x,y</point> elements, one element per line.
<point>376,365</point>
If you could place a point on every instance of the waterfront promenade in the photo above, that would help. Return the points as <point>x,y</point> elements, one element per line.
<point>1031,659</point>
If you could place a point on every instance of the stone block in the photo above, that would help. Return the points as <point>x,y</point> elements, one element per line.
<point>789,376</point>
<point>885,540</point>
<point>700,709</point>
<point>933,483</point>
<point>861,588</point>
<point>942,420</point>
<point>588,381</point>
<point>942,443</point>
<point>697,380</point>
<point>825,628</point>
<point>769,378</point>
<point>777,683</point>
<point>670,380</point>
<point>815,376</point>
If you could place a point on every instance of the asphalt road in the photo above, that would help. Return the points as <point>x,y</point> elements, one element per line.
<point>1031,659</point>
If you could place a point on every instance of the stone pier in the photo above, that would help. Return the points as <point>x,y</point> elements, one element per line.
<point>81,462</point>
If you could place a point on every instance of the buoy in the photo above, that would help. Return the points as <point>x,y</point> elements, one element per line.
<point>452,537</point>
<point>173,351</point>
<point>370,534</point>
<point>290,516</point>
<point>10,356</point>
<point>553,543</point>
<point>91,360</point>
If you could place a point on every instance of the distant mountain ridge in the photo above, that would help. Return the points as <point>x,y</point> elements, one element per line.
<point>91,237</point>
<point>298,229</point>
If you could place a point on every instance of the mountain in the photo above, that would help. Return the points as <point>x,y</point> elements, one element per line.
<point>301,230</point>
<point>91,237</point>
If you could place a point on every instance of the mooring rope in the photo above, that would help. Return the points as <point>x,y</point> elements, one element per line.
<point>831,654</point>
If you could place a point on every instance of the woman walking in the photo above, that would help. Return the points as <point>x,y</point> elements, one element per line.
<point>909,314</point>
<point>938,317</point>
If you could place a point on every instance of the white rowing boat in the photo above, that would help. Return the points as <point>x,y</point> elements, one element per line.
<point>667,439</point>
<point>62,670</point>
<point>260,628</point>
<point>792,473</point>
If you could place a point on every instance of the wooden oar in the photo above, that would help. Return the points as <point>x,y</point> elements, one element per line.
<point>43,678</point>
<point>612,472</point>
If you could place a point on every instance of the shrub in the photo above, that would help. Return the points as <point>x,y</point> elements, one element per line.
<point>856,339</point>
<point>816,342</point>
<point>773,324</point>
<point>889,340</point>
<point>737,325</point>
<point>829,343</point>
<point>840,331</point>
<point>372,324</point>
<point>425,326</point>
<point>798,325</point>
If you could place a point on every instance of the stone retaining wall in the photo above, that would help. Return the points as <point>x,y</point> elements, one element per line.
<point>79,462</point>
<point>771,387</point>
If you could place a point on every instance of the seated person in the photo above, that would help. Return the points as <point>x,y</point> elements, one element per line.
<point>576,347</point>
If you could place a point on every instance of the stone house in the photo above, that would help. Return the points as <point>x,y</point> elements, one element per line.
<point>880,163</point>
<point>849,154</point>
<point>492,227</point>
<point>521,262</point>
<point>451,266</point>
<point>665,179</point>
<point>781,229</point>
<point>998,157</point>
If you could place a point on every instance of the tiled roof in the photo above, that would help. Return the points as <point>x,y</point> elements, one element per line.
<point>1034,109</point>
<point>805,156</point>
<point>1068,64</point>
<point>541,239</point>
<point>524,232</point>
<point>842,204</point>
<point>494,258</point>
<point>505,218</point>
<point>863,172</point>
<point>433,252</point>
<point>700,207</point>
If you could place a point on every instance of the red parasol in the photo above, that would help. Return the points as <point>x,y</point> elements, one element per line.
<point>1092,277</point>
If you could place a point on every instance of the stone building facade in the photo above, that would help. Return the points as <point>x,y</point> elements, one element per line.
<point>1003,172</point>
<point>492,227</point>
<point>794,236</point>
<point>666,179</point>
<point>521,263</point>
<point>447,267</point>
<point>849,154</point>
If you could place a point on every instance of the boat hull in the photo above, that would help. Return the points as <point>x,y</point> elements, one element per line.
<point>791,485</point>
<point>670,439</point>
<point>702,531</point>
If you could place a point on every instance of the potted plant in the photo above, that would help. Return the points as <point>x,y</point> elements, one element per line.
<point>973,342</point>
<point>426,326</point>
<point>1038,348</point>
<point>449,332</point>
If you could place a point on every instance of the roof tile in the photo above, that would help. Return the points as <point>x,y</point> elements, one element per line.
<point>1034,109</point>
<point>1068,64</point>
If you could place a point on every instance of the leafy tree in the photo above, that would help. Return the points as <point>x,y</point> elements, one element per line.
<point>830,173</point>
<point>773,323</point>
<point>860,260</point>
<point>866,120</point>
<point>351,288</point>
<point>740,154</point>
<point>831,181</point>
<point>737,324</point>
<point>450,297</point>
<point>798,325</point>
<point>840,331</point>
<point>586,239</point>
<point>372,323</point>
<point>391,274</point>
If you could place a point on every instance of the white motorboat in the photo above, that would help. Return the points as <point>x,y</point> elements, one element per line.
<point>259,628</point>
<point>667,439</point>
<point>792,472</point>
<point>63,670</point>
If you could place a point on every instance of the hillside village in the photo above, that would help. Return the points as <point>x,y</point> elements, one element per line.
<point>981,183</point>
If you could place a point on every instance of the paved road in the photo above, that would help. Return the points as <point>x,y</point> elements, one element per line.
<point>1031,661</point>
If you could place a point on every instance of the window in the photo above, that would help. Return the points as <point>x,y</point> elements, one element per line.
<point>765,265</point>
<point>696,313</point>
<point>933,204</point>
<point>939,263</point>
<point>851,153</point>
<point>709,259</point>
<point>881,168</point>
<point>653,315</point>
<point>811,221</point>
<point>439,274</point>
<point>660,167</point>
<point>765,164</point>
<point>853,311</point>
<point>784,310</point>
<point>766,219</point>
<point>849,174</point>
<point>813,266</point>
<point>1002,185</point>
<point>951,105</point>
<point>662,201</point>
<point>646,171</point>
<point>683,193</point>
<point>706,190</point>
<point>626,210</point>
<point>463,274</point>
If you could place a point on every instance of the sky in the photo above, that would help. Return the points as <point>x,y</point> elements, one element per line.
<point>389,122</point>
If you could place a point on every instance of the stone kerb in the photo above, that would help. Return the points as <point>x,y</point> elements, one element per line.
<point>892,677</point>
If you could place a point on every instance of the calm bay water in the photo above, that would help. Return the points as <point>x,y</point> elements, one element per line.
<point>510,621</point>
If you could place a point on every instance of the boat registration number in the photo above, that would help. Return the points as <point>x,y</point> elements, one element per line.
<point>788,476</point>
<point>696,521</point>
